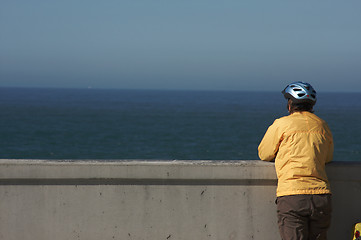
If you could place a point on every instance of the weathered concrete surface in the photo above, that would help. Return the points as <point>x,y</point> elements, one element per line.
<point>155,200</point>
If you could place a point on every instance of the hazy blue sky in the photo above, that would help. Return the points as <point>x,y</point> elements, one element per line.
<point>227,45</point>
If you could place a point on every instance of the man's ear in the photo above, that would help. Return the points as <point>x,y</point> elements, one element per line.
<point>289,105</point>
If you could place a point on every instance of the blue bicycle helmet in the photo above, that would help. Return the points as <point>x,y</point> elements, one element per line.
<point>300,92</point>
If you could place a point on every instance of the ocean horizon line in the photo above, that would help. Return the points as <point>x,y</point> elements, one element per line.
<point>161,90</point>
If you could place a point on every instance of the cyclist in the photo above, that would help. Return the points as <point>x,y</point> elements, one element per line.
<point>300,144</point>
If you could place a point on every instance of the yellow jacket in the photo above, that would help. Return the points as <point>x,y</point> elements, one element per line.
<point>301,144</point>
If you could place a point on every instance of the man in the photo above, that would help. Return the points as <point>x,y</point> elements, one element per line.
<point>300,144</point>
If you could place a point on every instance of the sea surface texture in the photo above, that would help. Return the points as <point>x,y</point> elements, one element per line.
<point>107,124</point>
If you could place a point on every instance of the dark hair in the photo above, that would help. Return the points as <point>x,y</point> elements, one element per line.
<point>299,107</point>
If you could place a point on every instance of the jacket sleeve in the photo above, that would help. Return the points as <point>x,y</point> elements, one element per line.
<point>330,153</point>
<point>268,148</point>
<point>331,146</point>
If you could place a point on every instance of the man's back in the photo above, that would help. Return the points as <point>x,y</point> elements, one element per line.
<point>301,144</point>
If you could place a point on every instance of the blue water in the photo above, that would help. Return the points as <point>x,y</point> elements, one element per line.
<point>149,124</point>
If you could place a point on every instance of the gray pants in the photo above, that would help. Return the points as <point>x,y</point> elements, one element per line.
<point>304,217</point>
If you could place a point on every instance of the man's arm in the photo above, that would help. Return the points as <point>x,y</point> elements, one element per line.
<point>268,148</point>
<point>331,145</point>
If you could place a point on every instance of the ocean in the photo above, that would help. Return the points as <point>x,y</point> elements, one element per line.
<point>108,124</point>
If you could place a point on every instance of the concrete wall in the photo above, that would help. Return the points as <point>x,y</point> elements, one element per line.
<point>93,200</point>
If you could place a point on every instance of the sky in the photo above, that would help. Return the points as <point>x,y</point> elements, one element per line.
<point>252,45</point>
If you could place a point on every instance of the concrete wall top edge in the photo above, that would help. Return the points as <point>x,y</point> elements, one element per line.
<point>154,162</point>
<point>132,162</point>
<point>142,169</point>
<point>43,169</point>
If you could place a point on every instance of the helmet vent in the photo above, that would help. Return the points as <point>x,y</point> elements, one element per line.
<point>297,89</point>
<point>301,94</point>
<point>313,95</point>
